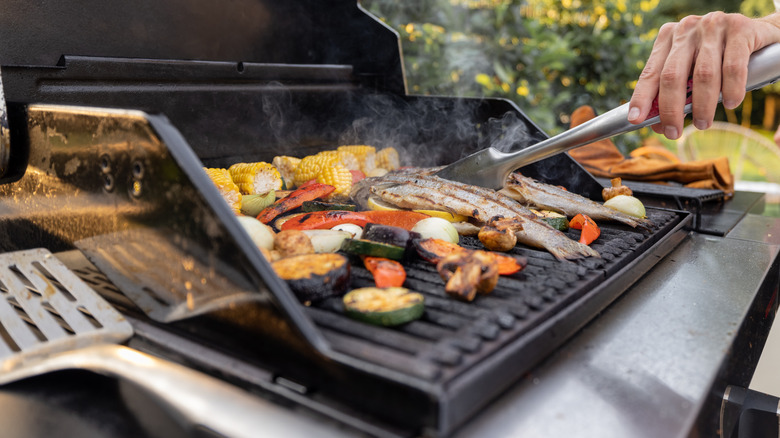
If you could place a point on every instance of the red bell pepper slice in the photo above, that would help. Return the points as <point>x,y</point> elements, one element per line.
<point>386,272</point>
<point>590,231</point>
<point>398,218</point>
<point>294,200</point>
<point>324,220</point>
<point>433,250</point>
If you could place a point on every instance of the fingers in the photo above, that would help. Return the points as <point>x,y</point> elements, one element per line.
<point>708,72</point>
<point>647,85</point>
<point>735,70</point>
<point>713,52</point>
<point>677,69</point>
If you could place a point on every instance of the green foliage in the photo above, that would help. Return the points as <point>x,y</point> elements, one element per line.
<point>549,56</point>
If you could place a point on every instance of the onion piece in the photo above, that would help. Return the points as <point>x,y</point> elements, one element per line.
<point>261,234</point>
<point>325,241</point>
<point>628,205</point>
<point>437,228</point>
<point>355,230</point>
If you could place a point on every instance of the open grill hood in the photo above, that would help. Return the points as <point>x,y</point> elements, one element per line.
<point>114,113</point>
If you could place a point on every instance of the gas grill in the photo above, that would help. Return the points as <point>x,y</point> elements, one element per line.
<point>113,114</point>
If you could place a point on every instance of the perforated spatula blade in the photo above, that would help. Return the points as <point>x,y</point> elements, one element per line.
<point>46,309</point>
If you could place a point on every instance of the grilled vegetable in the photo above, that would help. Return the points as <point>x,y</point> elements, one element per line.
<point>322,220</point>
<point>227,188</point>
<point>286,167</point>
<point>255,178</point>
<point>310,206</point>
<point>389,234</point>
<point>339,177</point>
<point>590,231</point>
<point>292,243</point>
<point>388,158</point>
<point>402,218</point>
<point>628,205</point>
<point>498,234</point>
<point>259,233</point>
<point>294,200</point>
<point>311,166</point>
<point>252,205</point>
<point>327,240</point>
<point>313,277</point>
<point>553,219</point>
<point>434,250</point>
<point>386,307</point>
<point>355,230</point>
<point>436,228</point>
<point>468,273</point>
<point>361,247</point>
<point>386,272</point>
<point>366,156</point>
<point>617,189</point>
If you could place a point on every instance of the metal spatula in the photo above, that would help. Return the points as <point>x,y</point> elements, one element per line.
<point>490,167</point>
<point>50,320</point>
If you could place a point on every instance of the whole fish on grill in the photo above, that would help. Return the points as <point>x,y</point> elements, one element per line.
<point>532,193</point>
<point>421,190</point>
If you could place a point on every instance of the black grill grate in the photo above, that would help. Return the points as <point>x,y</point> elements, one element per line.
<point>527,316</point>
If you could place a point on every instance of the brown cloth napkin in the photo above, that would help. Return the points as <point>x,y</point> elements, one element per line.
<point>603,159</point>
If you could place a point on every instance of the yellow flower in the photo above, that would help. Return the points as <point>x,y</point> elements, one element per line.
<point>409,28</point>
<point>483,79</point>
<point>637,20</point>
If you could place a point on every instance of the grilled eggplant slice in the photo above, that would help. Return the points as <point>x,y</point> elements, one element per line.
<point>361,247</point>
<point>384,306</point>
<point>314,277</point>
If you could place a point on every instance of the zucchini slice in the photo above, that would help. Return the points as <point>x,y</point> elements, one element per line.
<point>314,277</point>
<point>553,219</point>
<point>309,206</point>
<point>387,307</point>
<point>363,247</point>
<point>559,223</point>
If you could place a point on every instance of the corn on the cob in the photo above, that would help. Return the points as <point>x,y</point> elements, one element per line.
<point>339,177</point>
<point>255,178</point>
<point>286,167</point>
<point>309,168</point>
<point>227,188</point>
<point>388,158</point>
<point>366,155</point>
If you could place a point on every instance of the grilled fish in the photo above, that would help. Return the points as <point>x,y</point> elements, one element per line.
<point>424,191</point>
<point>530,192</point>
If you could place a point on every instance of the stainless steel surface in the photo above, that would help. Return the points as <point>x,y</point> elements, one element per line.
<point>200,399</point>
<point>138,262</point>
<point>50,320</point>
<point>490,167</point>
<point>5,133</point>
<point>45,308</point>
<point>645,367</point>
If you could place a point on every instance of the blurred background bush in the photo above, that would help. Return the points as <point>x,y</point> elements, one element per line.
<point>548,56</point>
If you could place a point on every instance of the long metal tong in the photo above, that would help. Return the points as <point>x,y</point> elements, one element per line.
<point>490,167</point>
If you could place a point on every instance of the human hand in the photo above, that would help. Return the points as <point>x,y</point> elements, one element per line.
<point>713,51</point>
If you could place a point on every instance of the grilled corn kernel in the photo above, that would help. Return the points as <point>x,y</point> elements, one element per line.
<point>286,167</point>
<point>255,178</point>
<point>227,188</point>
<point>339,177</point>
<point>309,168</point>
<point>366,155</point>
<point>388,158</point>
